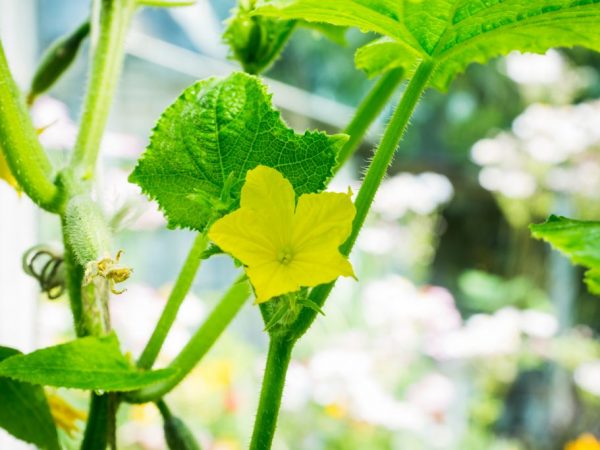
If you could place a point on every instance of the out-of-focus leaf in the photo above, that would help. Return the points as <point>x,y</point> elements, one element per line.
<point>24,410</point>
<point>91,363</point>
<point>578,239</point>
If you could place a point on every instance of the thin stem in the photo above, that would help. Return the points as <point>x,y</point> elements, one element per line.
<point>200,343</point>
<point>178,294</point>
<point>375,174</point>
<point>366,113</point>
<point>24,154</point>
<point>278,360</point>
<point>110,20</point>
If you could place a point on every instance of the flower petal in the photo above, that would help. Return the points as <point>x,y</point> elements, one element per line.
<point>321,224</point>
<point>270,280</point>
<point>5,173</point>
<point>238,234</point>
<point>271,196</point>
<point>319,267</point>
<point>322,220</point>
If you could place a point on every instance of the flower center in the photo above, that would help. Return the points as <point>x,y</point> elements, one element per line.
<point>285,256</point>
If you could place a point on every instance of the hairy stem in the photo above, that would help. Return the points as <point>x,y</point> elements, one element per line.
<point>281,345</point>
<point>375,174</point>
<point>24,154</point>
<point>178,294</point>
<point>278,360</point>
<point>200,343</point>
<point>366,113</point>
<point>109,22</point>
<point>74,281</point>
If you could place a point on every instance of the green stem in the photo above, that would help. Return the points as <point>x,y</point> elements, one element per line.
<point>278,360</point>
<point>24,154</point>
<point>384,154</point>
<point>375,174</point>
<point>200,343</point>
<point>366,113</point>
<point>74,281</point>
<point>178,294</point>
<point>101,426</point>
<point>109,22</point>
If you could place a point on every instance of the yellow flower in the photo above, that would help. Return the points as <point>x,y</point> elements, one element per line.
<point>5,173</point>
<point>285,246</point>
<point>584,442</point>
<point>65,416</point>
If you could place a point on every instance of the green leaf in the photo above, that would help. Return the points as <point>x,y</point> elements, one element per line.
<point>24,410</point>
<point>452,33</point>
<point>332,32</point>
<point>92,363</point>
<point>579,240</point>
<point>592,280</point>
<point>217,130</point>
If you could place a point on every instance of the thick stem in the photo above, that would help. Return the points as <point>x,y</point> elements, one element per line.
<point>366,113</point>
<point>375,174</point>
<point>24,154</point>
<point>109,22</point>
<point>178,294</point>
<point>200,343</point>
<point>278,360</point>
<point>74,281</point>
<point>100,431</point>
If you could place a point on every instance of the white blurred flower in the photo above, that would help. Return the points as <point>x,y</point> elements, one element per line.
<point>60,131</point>
<point>538,324</point>
<point>511,183</point>
<point>587,376</point>
<point>524,162</point>
<point>381,239</point>
<point>297,387</point>
<point>421,194</point>
<point>397,304</point>
<point>530,68</point>
<point>434,394</point>
<point>483,335</point>
<point>503,149</point>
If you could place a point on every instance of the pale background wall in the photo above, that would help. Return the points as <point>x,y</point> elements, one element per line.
<point>18,216</point>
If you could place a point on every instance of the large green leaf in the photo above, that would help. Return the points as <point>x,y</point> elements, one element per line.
<point>217,130</point>
<point>452,33</point>
<point>93,363</point>
<point>579,240</point>
<point>24,410</point>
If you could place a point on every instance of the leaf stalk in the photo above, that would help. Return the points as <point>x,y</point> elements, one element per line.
<point>178,294</point>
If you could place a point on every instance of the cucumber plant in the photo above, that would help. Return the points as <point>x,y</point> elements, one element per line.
<point>223,163</point>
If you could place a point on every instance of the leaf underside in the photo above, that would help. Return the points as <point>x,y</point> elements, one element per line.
<point>24,410</point>
<point>91,363</point>
<point>579,240</point>
<point>452,33</point>
<point>206,141</point>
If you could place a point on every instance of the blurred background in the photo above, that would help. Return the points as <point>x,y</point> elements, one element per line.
<point>463,332</point>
